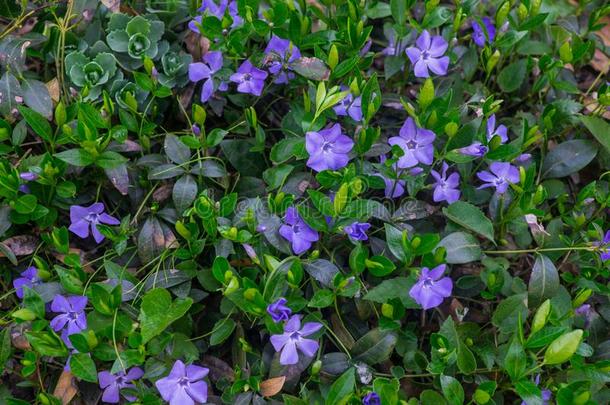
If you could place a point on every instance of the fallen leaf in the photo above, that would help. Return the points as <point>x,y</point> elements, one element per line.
<point>66,387</point>
<point>219,369</point>
<point>21,245</point>
<point>272,386</point>
<point>53,87</point>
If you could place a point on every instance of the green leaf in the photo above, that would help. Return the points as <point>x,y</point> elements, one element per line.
<point>6,348</point>
<point>452,390</point>
<point>511,77</point>
<point>544,281</point>
<point>26,204</point>
<point>221,331</point>
<point>36,96</point>
<point>429,397</point>
<point>184,192</point>
<point>515,360</point>
<point>394,239</point>
<point>37,122</point>
<point>470,217</point>
<point>322,299</point>
<point>567,158</point>
<point>176,150</point>
<point>563,348</point>
<point>599,128</point>
<point>83,367</point>
<point>76,157</point>
<point>158,312</point>
<point>47,343</point>
<point>110,160</point>
<point>10,89</point>
<point>342,388</point>
<point>389,289</point>
<point>33,302</point>
<point>379,266</point>
<point>506,316</point>
<point>375,346</point>
<point>529,392</point>
<point>311,68</point>
<point>399,9</point>
<point>461,247</point>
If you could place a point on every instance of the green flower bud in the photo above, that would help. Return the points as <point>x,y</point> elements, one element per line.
<point>563,348</point>
<point>541,316</point>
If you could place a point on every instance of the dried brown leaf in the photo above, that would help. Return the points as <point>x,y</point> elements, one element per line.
<point>66,388</point>
<point>21,245</point>
<point>272,386</point>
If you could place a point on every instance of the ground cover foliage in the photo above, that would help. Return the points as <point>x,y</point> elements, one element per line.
<point>304,202</point>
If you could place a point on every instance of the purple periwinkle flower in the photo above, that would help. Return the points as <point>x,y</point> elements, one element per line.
<point>279,53</point>
<point>278,310</point>
<point>357,231</point>
<point>492,131</point>
<point>71,315</point>
<point>249,79</point>
<point>428,54</point>
<point>502,174</point>
<point>24,188</point>
<point>212,63</point>
<point>297,232</point>
<point>112,384</point>
<point>416,143</point>
<point>196,130</point>
<point>28,176</point>
<point>328,149</point>
<point>446,188</point>
<point>476,149</point>
<point>85,219</point>
<point>485,33</point>
<point>209,8</point>
<point>350,105</point>
<point>293,340</point>
<point>372,398</point>
<point>431,288</point>
<point>605,250</point>
<point>184,385</point>
<point>29,278</point>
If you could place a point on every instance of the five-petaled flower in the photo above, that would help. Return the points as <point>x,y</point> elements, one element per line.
<point>29,278</point>
<point>249,79</point>
<point>357,231</point>
<point>502,174</point>
<point>416,143</point>
<point>328,149</point>
<point>485,33</point>
<point>184,385</point>
<point>297,232</point>
<point>350,105</point>
<point>492,131</point>
<point>293,340</point>
<point>112,384</point>
<point>431,288</point>
<point>372,398</point>
<point>278,310</point>
<point>71,318</point>
<point>446,188</point>
<point>84,220</point>
<point>428,54</point>
<point>279,54</point>
<point>212,63</point>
